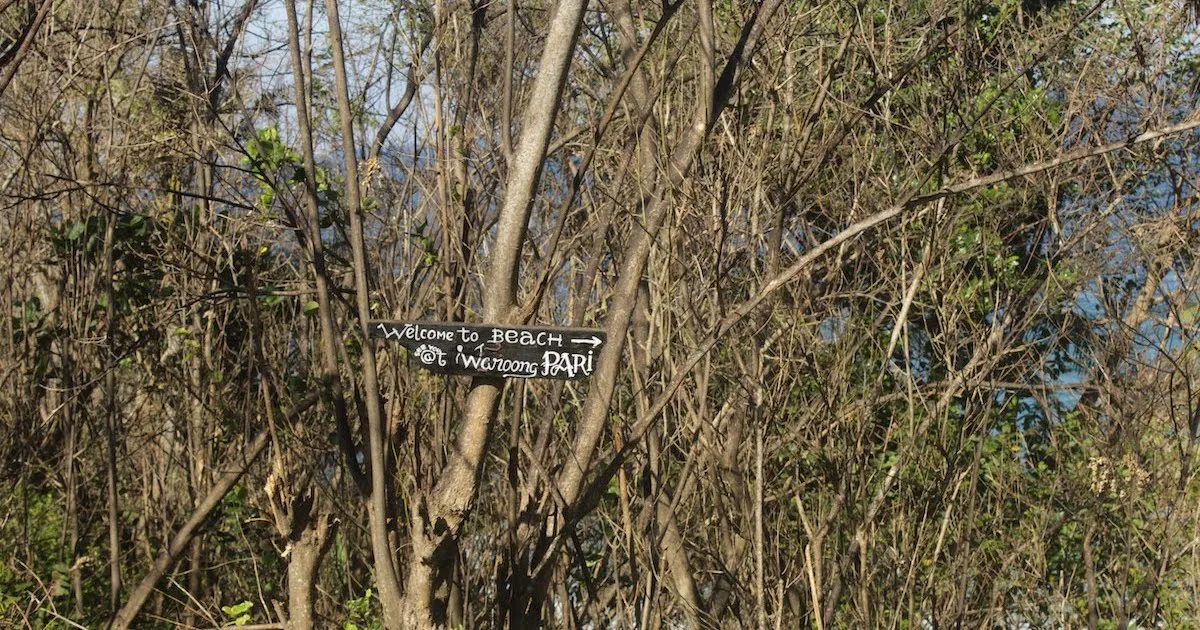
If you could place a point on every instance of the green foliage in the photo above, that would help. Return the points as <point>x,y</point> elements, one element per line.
<point>24,580</point>
<point>269,159</point>
<point>239,614</point>
<point>426,242</point>
<point>270,298</point>
<point>360,613</point>
<point>266,155</point>
<point>987,261</point>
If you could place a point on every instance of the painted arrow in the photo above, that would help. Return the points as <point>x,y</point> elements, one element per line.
<point>593,341</point>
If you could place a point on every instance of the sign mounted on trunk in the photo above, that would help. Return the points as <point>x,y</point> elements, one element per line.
<point>504,351</point>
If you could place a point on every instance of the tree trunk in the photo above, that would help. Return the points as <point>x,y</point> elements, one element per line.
<point>437,519</point>
<point>304,560</point>
<point>112,421</point>
<point>386,574</point>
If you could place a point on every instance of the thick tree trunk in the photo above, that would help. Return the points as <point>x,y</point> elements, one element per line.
<point>304,561</point>
<point>436,521</point>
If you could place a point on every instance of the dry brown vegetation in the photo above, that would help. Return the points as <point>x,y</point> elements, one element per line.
<point>900,298</point>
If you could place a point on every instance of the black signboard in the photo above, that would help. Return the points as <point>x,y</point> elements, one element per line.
<point>506,351</point>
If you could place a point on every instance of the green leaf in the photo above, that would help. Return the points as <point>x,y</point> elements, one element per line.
<point>1188,315</point>
<point>239,613</point>
<point>77,230</point>
<point>310,308</point>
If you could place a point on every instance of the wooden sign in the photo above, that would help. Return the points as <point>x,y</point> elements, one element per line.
<point>505,351</point>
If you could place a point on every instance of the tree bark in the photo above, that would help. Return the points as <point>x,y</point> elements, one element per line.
<point>385,568</point>
<point>436,521</point>
<point>307,550</point>
<point>112,425</point>
<point>72,489</point>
